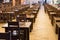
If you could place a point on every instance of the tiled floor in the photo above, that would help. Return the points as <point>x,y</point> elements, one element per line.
<point>43,29</point>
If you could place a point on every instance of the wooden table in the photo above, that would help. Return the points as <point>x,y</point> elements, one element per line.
<point>57,8</point>
<point>24,28</point>
<point>35,13</point>
<point>21,24</point>
<point>58,29</point>
<point>52,14</point>
<point>31,18</point>
<point>6,16</point>
<point>16,11</point>
<point>56,19</point>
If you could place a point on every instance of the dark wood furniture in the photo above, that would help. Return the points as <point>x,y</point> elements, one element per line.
<point>52,15</point>
<point>5,36</point>
<point>7,16</point>
<point>35,13</point>
<point>21,18</point>
<point>58,29</point>
<point>55,11</point>
<point>13,27</point>
<point>56,20</point>
<point>17,10</point>
<point>24,29</point>
<point>31,18</point>
<point>48,8</point>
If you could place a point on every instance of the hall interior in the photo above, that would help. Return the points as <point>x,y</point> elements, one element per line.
<point>29,19</point>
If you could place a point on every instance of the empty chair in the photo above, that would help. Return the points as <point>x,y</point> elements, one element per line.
<point>5,36</point>
<point>21,18</point>
<point>12,16</point>
<point>6,17</point>
<point>13,24</point>
<point>13,27</point>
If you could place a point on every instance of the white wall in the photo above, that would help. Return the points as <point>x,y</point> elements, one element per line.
<point>26,2</point>
<point>50,1</point>
<point>31,1</point>
<point>35,1</point>
<point>6,0</point>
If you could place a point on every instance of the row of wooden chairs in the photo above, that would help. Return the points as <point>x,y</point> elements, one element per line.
<point>9,12</point>
<point>21,17</point>
<point>54,17</point>
<point>50,10</point>
<point>30,12</point>
<point>4,17</point>
<point>15,33</point>
<point>9,34</point>
<point>15,13</point>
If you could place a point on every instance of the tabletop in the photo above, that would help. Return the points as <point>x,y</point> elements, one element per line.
<point>21,24</point>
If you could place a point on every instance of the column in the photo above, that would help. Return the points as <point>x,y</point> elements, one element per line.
<point>13,2</point>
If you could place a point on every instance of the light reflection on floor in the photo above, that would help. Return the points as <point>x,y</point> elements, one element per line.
<point>43,29</point>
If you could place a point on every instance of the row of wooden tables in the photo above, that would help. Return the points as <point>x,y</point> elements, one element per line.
<point>55,18</point>
<point>14,11</point>
<point>24,27</point>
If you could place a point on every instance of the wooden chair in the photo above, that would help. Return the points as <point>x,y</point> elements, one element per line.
<point>5,36</point>
<point>13,27</point>
<point>6,17</point>
<point>21,17</point>
<point>11,16</point>
<point>13,23</point>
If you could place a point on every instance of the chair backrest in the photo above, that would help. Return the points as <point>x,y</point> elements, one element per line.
<point>13,24</point>
<point>21,18</point>
<point>13,27</point>
<point>5,36</point>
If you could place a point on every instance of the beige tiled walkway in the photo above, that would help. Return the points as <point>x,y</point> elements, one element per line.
<point>43,29</point>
